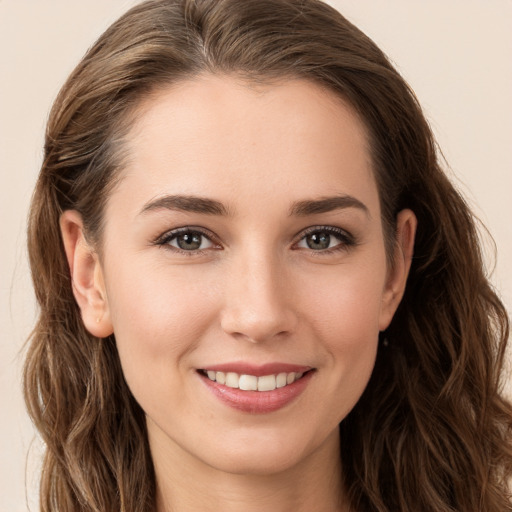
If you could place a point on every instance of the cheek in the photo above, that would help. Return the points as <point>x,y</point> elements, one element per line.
<point>158,319</point>
<point>345,316</point>
<point>339,309</point>
<point>348,302</point>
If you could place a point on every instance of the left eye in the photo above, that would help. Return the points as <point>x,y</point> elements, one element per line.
<point>189,241</point>
<point>322,239</point>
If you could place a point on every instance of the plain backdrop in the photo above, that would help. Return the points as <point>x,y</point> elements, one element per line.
<point>456,54</point>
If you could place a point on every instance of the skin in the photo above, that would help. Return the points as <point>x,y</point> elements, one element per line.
<point>255,292</point>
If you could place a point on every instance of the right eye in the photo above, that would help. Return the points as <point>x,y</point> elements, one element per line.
<point>186,240</point>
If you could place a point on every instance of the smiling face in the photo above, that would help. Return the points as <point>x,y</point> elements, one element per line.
<point>243,247</point>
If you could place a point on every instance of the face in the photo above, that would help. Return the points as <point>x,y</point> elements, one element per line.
<point>243,248</point>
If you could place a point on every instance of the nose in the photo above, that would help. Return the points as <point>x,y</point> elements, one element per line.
<point>258,301</point>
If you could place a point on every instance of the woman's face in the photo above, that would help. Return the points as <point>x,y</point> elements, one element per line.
<point>245,238</point>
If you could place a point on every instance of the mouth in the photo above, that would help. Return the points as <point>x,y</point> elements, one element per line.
<point>256,390</point>
<point>247,382</point>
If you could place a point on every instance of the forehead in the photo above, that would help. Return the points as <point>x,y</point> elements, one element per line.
<point>215,135</point>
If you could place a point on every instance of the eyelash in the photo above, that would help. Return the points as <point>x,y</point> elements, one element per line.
<point>347,241</point>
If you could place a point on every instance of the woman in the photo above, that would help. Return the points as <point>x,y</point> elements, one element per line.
<point>258,290</point>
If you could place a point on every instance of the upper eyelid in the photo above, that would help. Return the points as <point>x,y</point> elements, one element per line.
<point>332,229</point>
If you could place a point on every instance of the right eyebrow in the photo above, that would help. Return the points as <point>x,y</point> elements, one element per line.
<point>184,203</point>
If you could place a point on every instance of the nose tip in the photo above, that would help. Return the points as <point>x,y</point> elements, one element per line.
<point>258,308</point>
<point>254,333</point>
<point>257,322</point>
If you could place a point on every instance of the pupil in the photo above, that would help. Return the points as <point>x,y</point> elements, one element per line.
<point>318,240</point>
<point>189,241</point>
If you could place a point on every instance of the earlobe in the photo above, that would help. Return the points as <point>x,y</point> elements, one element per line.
<point>86,276</point>
<point>397,275</point>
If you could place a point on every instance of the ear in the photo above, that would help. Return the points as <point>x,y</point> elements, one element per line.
<point>86,276</point>
<point>399,271</point>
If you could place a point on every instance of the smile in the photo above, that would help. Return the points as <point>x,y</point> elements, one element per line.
<point>252,382</point>
<point>257,390</point>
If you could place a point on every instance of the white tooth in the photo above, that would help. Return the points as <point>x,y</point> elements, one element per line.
<point>220,377</point>
<point>299,375</point>
<point>211,374</point>
<point>248,382</point>
<point>290,378</point>
<point>281,380</point>
<point>267,383</point>
<point>232,380</point>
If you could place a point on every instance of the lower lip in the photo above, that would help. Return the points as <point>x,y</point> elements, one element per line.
<point>258,402</point>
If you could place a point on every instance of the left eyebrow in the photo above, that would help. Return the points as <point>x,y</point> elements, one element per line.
<point>327,204</point>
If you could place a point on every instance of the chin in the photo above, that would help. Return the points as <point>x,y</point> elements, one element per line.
<point>260,463</point>
<point>266,454</point>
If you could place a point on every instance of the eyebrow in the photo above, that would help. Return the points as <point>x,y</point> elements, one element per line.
<point>183,203</point>
<point>327,204</point>
<point>207,206</point>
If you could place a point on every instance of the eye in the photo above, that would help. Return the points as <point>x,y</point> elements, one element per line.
<point>191,241</point>
<point>186,239</point>
<point>325,238</point>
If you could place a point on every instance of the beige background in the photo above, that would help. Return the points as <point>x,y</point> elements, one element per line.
<point>457,55</point>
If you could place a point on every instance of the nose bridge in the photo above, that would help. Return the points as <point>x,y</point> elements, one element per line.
<point>257,305</point>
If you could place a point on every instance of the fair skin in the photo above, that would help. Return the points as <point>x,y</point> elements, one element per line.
<point>263,270</point>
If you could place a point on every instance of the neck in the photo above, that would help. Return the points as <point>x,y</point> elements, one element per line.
<point>313,484</point>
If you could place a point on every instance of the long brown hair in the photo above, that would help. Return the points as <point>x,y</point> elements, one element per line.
<point>431,431</point>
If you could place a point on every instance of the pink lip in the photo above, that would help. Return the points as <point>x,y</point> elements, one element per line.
<point>257,402</point>
<point>257,370</point>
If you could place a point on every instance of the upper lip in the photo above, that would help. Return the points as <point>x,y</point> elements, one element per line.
<point>243,368</point>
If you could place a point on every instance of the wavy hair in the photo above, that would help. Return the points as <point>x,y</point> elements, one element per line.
<point>432,430</point>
